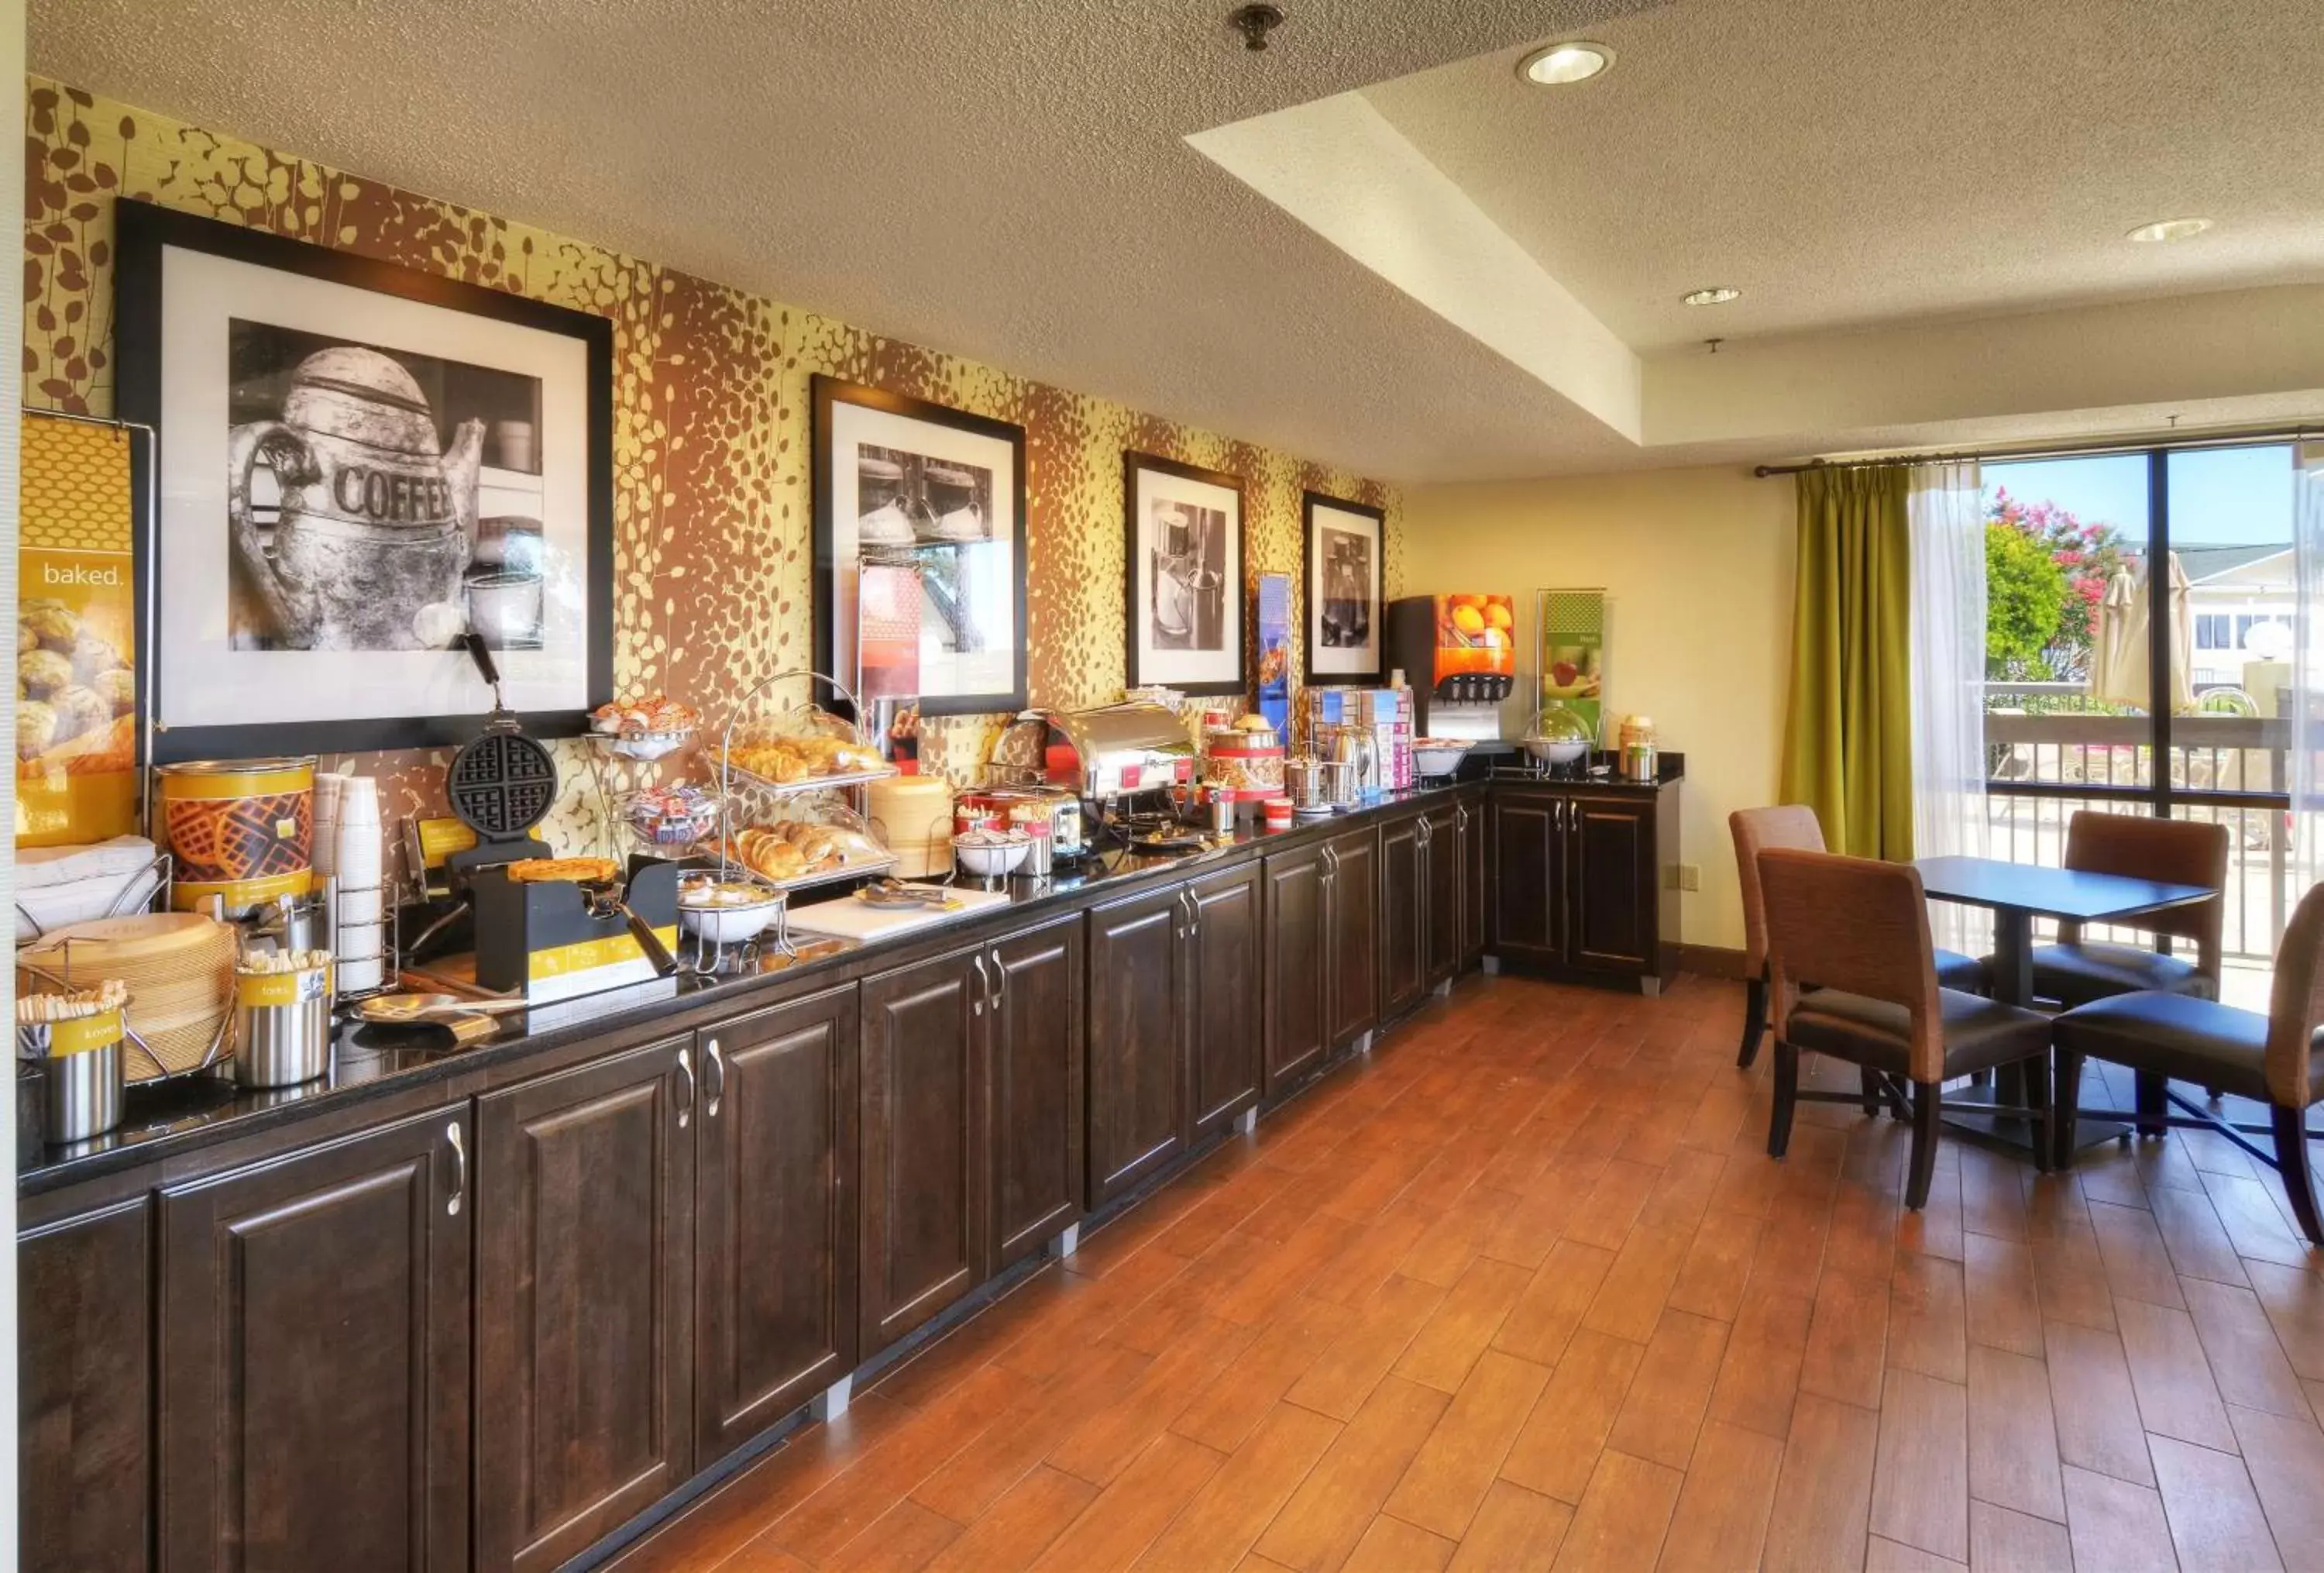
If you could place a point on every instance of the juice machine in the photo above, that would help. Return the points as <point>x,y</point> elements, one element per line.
<point>1459,654</point>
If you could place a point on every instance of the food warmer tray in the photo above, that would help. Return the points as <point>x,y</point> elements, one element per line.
<point>814,783</point>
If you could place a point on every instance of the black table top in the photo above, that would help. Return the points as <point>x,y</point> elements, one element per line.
<point>2050,892</point>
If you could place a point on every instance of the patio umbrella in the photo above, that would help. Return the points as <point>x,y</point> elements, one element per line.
<point>2118,651</point>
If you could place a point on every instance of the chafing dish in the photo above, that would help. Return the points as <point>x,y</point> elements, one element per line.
<point>1100,755</point>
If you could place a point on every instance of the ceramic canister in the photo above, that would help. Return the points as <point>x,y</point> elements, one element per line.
<point>244,829</point>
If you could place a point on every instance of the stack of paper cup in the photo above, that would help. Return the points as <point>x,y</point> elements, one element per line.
<point>327,784</point>
<point>361,920</point>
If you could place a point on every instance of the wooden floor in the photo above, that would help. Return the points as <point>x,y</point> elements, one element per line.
<point>1524,1290</point>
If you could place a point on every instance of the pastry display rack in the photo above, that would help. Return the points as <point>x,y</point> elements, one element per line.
<point>755,761</point>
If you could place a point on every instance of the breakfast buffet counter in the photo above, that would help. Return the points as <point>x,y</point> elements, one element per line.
<point>696,1210</point>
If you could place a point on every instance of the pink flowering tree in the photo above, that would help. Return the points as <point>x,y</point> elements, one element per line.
<point>2085,556</point>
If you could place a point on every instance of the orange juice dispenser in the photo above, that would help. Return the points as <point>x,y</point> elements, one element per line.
<point>1459,654</point>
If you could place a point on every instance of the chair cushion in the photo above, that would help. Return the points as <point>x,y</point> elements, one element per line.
<point>2181,1037</point>
<point>1965,973</point>
<point>1979,1033</point>
<point>2075,974</point>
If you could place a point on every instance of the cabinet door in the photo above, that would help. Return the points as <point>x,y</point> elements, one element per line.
<point>1403,941</point>
<point>1138,1119</point>
<point>1613,882</point>
<point>584,1269</point>
<point>1040,1174</point>
<point>314,1359</point>
<point>1470,824</point>
<point>1298,982</point>
<point>85,1393</point>
<point>1224,1049</point>
<point>1352,935</point>
<point>774,1217</point>
<point>1440,862</point>
<point>1525,921</point>
<point>925,1231</point>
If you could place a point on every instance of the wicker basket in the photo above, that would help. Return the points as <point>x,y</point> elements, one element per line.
<point>178,967</point>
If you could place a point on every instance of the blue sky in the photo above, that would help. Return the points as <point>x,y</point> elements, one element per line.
<point>2220,496</point>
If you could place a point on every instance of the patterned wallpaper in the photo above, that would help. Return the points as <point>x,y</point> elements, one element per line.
<point>713,511</point>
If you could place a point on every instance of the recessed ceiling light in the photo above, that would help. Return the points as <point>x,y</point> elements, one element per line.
<point>1562,64</point>
<point>2170,230</point>
<point>1717,295</point>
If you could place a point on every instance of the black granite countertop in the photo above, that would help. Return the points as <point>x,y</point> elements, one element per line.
<point>164,1121</point>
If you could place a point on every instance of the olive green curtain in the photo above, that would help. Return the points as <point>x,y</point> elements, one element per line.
<point>1847,745</point>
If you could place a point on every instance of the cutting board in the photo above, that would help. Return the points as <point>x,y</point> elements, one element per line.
<point>850,919</point>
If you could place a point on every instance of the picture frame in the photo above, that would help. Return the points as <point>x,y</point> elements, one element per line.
<point>1182,583</point>
<point>919,550</point>
<point>356,463</point>
<point>1341,557</point>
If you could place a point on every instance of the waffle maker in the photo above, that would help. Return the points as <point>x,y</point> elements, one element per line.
<point>502,782</point>
<point>550,939</point>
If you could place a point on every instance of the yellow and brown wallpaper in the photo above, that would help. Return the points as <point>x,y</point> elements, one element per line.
<point>713,509</point>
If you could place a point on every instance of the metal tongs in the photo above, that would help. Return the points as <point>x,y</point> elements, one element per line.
<point>894,892</point>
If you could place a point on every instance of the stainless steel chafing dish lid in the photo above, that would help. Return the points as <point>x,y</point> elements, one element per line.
<point>1114,748</point>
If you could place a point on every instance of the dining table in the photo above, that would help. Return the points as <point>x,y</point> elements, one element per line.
<point>2016,893</point>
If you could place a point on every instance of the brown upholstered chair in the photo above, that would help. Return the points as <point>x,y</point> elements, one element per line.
<point>2075,971</point>
<point>1861,929</point>
<point>2271,1059</point>
<point>1794,825</point>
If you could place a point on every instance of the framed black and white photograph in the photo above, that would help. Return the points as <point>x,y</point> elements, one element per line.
<point>1344,553</point>
<point>919,550</point>
<point>358,466</point>
<point>1182,575</point>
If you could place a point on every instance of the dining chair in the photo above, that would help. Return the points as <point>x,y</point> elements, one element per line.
<point>2075,971</point>
<point>1794,825</point>
<point>1861,929</point>
<point>2269,1058</point>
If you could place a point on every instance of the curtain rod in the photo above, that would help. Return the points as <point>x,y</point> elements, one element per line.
<point>2052,450</point>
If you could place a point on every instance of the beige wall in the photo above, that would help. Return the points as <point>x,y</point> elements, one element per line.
<point>1697,564</point>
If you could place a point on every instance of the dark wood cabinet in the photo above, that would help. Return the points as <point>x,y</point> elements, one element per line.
<point>1225,997</point>
<point>1615,879</point>
<point>1577,879</point>
<point>1036,1023</point>
<point>314,1359</point>
<point>1526,838</point>
<point>774,1217</point>
<point>584,1321</point>
<point>1297,969</point>
<point>1469,827</point>
<point>1352,933</point>
<point>927,1215</point>
<point>1440,880</point>
<point>1403,916</point>
<point>85,1393</point>
<point>1138,1010</point>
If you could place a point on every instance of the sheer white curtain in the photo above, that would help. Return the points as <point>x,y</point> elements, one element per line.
<point>2306,784</point>
<point>1945,509</point>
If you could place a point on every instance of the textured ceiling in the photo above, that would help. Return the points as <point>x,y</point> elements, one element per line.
<point>1002,180</point>
<point>1011,180</point>
<point>1863,161</point>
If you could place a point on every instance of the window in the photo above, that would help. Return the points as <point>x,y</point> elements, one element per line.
<point>2090,705</point>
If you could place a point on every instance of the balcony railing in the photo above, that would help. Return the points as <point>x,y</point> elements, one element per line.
<point>2229,770</point>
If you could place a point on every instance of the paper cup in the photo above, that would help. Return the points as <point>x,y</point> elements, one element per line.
<point>358,977</point>
<point>359,941</point>
<point>360,906</point>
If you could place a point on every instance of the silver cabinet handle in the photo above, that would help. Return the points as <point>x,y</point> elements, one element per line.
<point>686,1070</point>
<point>459,1170</point>
<point>717,1080</point>
<point>983,986</point>
<point>999,982</point>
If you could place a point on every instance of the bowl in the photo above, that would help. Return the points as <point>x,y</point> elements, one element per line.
<point>1556,749</point>
<point>726,909</point>
<point>990,854</point>
<point>643,745</point>
<point>1437,755</point>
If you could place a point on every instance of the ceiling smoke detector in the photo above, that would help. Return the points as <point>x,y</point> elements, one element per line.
<point>1255,22</point>
<point>2169,229</point>
<point>1560,65</point>
<point>1716,295</point>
